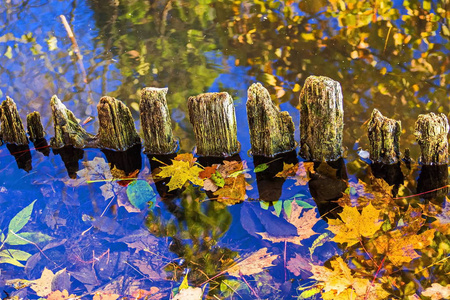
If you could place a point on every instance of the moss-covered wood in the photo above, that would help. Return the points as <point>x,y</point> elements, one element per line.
<point>67,129</point>
<point>271,131</point>
<point>116,128</point>
<point>384,136</point>
<point>155,122</point>
<point>431,133</point>
<point>321,119</point>
<point>34,126</point>
<point>213,118</point>
<point>11,124</point>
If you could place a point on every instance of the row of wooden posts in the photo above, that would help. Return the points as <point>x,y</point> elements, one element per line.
<point>213,118</point>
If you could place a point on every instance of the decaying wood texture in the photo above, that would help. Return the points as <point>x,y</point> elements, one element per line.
<point>384,135</point>
<point>116,128</point>
<point>213,118</point>
<point>34,126</point>
<point>11,124</point>
<point>155,122</point>
<point>321,119</point>
<point>431,133</point>
<point>67,129</point>
<point>271,131</point>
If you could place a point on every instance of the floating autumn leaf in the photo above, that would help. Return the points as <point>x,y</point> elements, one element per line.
<point>105,296</point>
<point>253,264</point>
<point>304,224</point>
<point>208,172</point>
<point>58,295</point>
<point>234,185</point>
<point>43,285</point>
<point>442,215</point>
<point>339,283</point>
<point>125,179</point>
<point>189,293</point>
<point>188,157</point>
<point>180,172</point>
<point>353,225</point>
<point>437,291</point>
<point>298,172</point>
<point>288,170</point>
<point>399,248</point>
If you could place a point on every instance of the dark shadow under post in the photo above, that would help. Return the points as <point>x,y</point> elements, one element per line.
<point>127,161</point>
<point>431,133</point>
<point>11,125</point>
<point>213,118</point>
<point>68,132</point>
<point>384,135</point>
<point>271,131</point>
<point>22,155</point>
<point>321,119</point>
<point>156,123</point>
<point>116,128</point>
<point>431,180</point>
<point>70,156</point>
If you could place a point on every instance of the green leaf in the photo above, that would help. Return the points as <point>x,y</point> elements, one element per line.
<point>287,206</point>
<point>13,256</point>
<point>8,52</point>
<point>21,219</point>
<point>264,205</point>
<point>184,284</point>
<point>139,193</point>
<point>35,237</point>
<point>278,205</point>
<point>261,167</point>
<point>218,179</point>
<point>309,293</point>
<point>322,239</point>
<point>304,204</point>
<point>11,261</point>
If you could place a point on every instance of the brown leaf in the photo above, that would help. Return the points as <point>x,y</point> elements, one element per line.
<point>299,264</point>
<point>253,264</point>
<point>288,170</point>
<point>188,157</point>
<point>207,172</point>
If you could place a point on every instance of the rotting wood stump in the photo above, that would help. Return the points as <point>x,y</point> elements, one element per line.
<point>384,136</point>
<point>213,118</point>
<point>11,124</point>
<point>156,123</point>
<point>116,125</point>
<point>271,131</point>
<point>431,133</point>
<point>34,126</point>
<point>68,132</point>
<point>321,119</point>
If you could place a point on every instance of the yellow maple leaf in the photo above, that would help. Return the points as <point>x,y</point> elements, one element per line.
<point>354,225</point>
<point>180,172</point>
<point>288,170</point>
<point>399,248</point>
<point>304,225</point>
<point>253,264</point>
<point>43,285</point>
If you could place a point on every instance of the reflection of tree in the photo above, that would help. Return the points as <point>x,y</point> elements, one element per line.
<point>195,231</point>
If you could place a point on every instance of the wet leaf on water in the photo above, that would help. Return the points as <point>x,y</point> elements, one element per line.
<point>140,193</point>
<point>43,285</point>
<point>261,167</point>
<point>58,295</point>
<point>208,172</point>
<point>105,296</point>
<point>303,223</point>
<point>24,238</point>
<point>288,170</point>
<point>299,264</point>
<point>254,264</point>
<point>354,225</point>
<point>437,291</point>
<point>189,293</point>
<point>180,172</point>
<point>21,219</point>
<point>14,257</point>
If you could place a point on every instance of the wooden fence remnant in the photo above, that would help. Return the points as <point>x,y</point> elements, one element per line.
<point>11,124</point>
<point>271,131</point>
<point>431,133</point>
<point>34,126</point>
<point>384,135</point>
<point>213,118</point>
<point>67,129</point>
<point>116,125</point>
<point>321,119</point>
<point>156,123</point>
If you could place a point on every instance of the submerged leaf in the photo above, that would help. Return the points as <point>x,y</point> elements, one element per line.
<point>21,219</point>
<point>253,264</point>
<point>140,193</point>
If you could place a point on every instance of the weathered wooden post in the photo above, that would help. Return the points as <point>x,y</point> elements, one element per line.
<point>11,124</point>
<point>431,133</point>
<point>321,119</point>
<point>67,130</point>
<point>384,135</point>
<point>213,118</point>
<point>271,131</point>
<point>34,126</point>
<point>116,125</point>
<point>155,122</point>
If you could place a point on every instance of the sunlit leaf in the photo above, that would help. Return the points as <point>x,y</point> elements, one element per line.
<point>180,172</point>
<point>43,285</point>
<point>437,291</point>
<point>35,237</point>
<point>261,167</point>
<point>354,225</point>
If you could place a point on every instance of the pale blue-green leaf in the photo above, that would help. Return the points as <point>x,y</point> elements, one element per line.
<point>304,204</point>
<point>264,205</point>
<point>21,219</point>
<point>278,205</point>
<point>24,238</point>
<point>287,206</point>
<point>139,193</point>
<point>11,261</point>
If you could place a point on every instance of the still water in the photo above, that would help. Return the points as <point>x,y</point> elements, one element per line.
<point>389,55</point>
